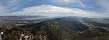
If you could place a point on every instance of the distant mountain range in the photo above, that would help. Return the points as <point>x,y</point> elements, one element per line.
<point>18,17</point>
<point>64,28</point>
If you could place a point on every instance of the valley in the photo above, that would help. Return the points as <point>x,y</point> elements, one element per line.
<point>63,28</point>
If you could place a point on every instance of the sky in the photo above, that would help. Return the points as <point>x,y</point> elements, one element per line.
<point>86,8</point>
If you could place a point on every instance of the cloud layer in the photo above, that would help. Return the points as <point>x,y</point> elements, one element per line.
<point>104,4</point>
<point>68,1</point>
<point>49,10</point>
<point>5,5</point>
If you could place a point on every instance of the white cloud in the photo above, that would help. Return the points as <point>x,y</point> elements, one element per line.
<point>5,6</point>
<point>82,4</point>
<point>104,4</point>
<point>49,10</point>
<point>68,1</point>
<point>2,9</point>
<point>13,2</point>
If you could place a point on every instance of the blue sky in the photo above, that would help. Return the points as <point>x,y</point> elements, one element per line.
<point>16,6</point>
<point>90,5</point>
